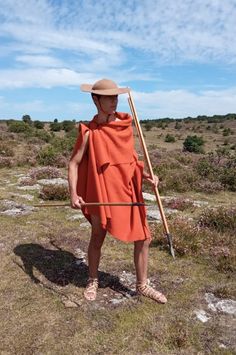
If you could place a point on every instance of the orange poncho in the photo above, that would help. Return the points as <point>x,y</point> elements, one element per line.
<point>110,172</point>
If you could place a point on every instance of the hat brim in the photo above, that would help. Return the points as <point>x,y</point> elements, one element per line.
<point>108,92</point>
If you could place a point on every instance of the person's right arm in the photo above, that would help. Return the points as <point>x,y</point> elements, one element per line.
<point>73,172</point>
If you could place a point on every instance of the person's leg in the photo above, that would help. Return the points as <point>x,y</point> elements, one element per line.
<point>141,259</point>
<point>94,254</point>
<point>141,264</point>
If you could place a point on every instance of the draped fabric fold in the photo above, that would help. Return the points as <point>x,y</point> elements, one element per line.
<point>110,172</point>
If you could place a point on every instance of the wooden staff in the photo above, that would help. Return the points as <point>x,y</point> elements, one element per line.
<point>141,138</point>
<point>133,204</point>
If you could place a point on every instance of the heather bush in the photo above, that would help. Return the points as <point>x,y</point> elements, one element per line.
<point>27,181</point>
<point>219,219</point>
<point>194,239</point>
<point>207,186</point>
<point>6,150</point>
<point>45,172</point>
<point>219,169</point>
<point>54,192</point>
<point>6,162</point>
<point>188,239</point>
<point>179,181</point>
<point>180,204</point>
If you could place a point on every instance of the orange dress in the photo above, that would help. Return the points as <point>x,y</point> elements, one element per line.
<point>111,172</point>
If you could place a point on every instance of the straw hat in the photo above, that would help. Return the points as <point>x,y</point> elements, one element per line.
<point>104,87</point>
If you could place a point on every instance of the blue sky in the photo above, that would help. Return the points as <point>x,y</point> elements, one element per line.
<point>178,57</point>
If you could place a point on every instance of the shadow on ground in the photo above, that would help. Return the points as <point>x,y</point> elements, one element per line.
<point>61,267</point>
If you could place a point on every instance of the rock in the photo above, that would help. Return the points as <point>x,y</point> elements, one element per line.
<point>12,208</point>
<point>116,301</point>
<point>54,181</point>
<point>201,315</point>
<point>81,256</point>
<point>154,214</point>
<point>221,305</point>
<point>30,187</point>
<point>200,203</point>
<point>19,175</point>
<point>127,278</point>
<point>149,197</point>
<point>75,217</point>
<point>85,225</point>
<point>27,197</point>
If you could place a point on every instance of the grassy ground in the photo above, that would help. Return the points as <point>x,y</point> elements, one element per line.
<point>43,274</point>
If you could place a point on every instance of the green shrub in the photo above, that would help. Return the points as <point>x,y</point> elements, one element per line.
<point>178,125</point>
<point>169,138</point>
<point>38,124</point>
<point>228,178</point>
<point>68,125</point>
<point>193,144</point>
<point>148,126</point>
<point>55,126</point>
<point>226,132</point>
<point>18,127</point>
<point>43,135</point>
<point>47,156</point>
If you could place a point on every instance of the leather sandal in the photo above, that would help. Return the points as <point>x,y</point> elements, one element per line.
<point>143,288</point>
<point>90,292</point>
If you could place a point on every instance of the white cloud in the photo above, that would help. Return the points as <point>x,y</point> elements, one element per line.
<point>200,30</point>
<point>183,103</point>
<point>40,61</point>
<point>43,78</point>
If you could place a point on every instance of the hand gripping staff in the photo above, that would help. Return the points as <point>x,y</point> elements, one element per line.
<point>141,138</point>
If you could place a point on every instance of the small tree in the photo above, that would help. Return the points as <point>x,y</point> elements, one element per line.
<point>27,119</point>
<point>193,144</point>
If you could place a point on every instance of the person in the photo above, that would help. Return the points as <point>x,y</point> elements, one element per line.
<point>104,167</point>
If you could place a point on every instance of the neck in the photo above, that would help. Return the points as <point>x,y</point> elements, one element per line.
<point>103,117</point>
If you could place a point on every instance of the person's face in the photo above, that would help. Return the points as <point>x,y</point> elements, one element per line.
<point>107,103</point>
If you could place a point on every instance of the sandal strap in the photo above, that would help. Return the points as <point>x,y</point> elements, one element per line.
<point>148,291</point>
<point>92,284</point>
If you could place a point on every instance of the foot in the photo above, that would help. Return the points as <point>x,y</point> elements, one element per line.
<point>144,289</point>
<point>90,292</point>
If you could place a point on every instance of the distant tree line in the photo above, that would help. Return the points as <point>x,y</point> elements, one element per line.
<point>209,119</point>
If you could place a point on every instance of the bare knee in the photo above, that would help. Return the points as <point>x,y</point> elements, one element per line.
<point>142,244</point>
<point>96,240</point>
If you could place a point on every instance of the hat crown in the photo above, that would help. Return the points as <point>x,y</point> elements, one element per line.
<point>104,84</point>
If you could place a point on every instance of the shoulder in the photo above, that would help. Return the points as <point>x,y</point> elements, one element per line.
<point>83,128</point>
